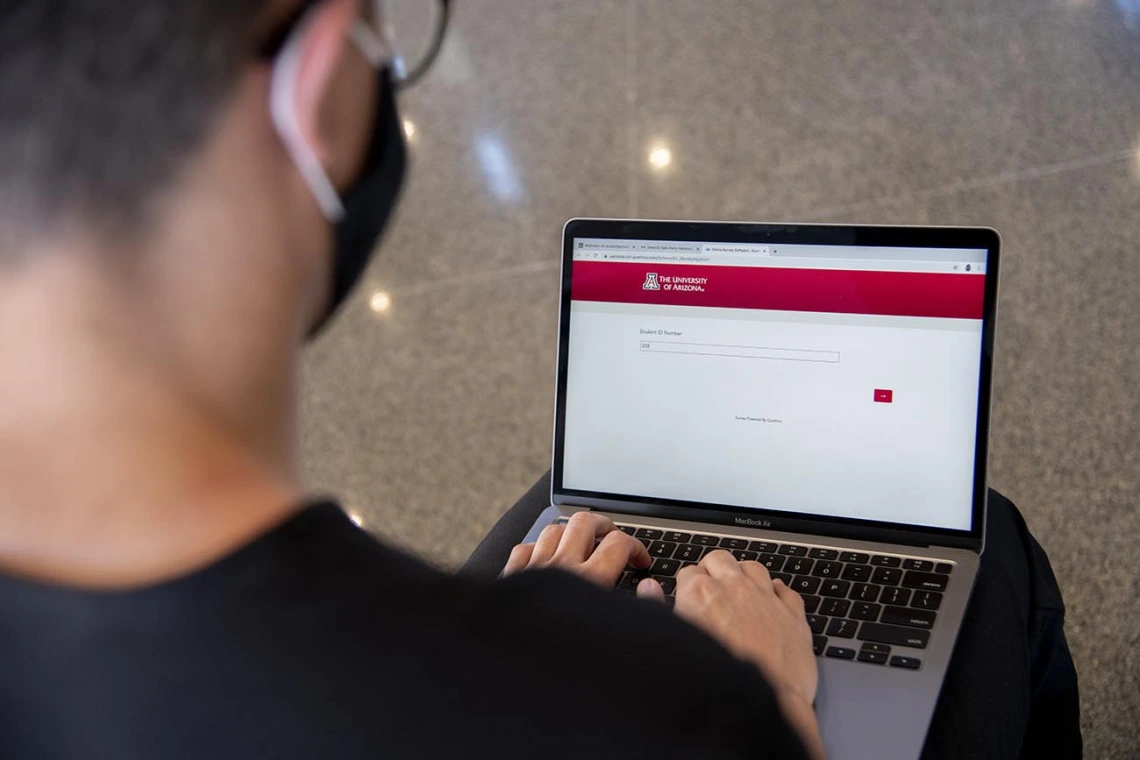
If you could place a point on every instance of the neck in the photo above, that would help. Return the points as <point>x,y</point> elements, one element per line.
<point>116,468</point>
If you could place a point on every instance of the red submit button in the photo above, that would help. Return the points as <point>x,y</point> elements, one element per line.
<point>884,396</point>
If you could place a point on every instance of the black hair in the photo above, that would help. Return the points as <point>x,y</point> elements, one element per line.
<point>101,102</point>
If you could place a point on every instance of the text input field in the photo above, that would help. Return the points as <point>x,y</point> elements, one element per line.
<point>742,352</point>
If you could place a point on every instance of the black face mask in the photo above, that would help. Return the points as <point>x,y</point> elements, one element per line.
<point>368,202</point>
<point>360,212</point>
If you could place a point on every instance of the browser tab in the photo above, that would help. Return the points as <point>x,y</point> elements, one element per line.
<point>741,249</point>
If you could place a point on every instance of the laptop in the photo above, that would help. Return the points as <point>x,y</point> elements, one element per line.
<point>813,397</point>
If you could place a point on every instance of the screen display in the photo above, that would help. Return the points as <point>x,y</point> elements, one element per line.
<point>839,381</point>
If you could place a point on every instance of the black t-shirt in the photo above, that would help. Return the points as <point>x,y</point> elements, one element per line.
<point>316,641</point>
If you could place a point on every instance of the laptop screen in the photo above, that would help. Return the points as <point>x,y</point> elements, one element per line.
<point>828,380</point>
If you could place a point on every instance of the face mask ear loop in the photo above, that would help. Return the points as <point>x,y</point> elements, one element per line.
<point>370,44</point>
<point>283,110</point>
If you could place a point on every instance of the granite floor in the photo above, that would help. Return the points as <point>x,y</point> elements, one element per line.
<point>428,405</point>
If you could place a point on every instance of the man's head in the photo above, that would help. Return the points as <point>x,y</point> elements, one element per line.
<point>157,164</point>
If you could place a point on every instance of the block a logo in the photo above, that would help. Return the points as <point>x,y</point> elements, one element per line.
<point>651,282</point>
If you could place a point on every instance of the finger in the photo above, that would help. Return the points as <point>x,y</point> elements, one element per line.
<point>582,530</point>
<point>650,589</point>
<point>720,564</point>
<point>686,575</point>
<point>758,574</point>
<point>612,555</point>
<point>790,598</point>
<point>547,544</point>
<point>520,555</point>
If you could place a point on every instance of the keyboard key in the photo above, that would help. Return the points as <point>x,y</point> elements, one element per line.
<point>629,530</point>
<point>834,588</point>
<point>688,552</point>
<point>870,646</point>
<point>677,538</point>
<point>910,663</point>
<point>744,556</point>
<point>909,616</point>
<point>665,567</point>
<point>865,592</point>
<point>894,595</point>
<point>924,565</point>
<point>702,540</point>
<point>793,550</point>
<point>823,553</point>
<point>818,643</point>
<point>774,562</point>
<point>670,601</point>
<point>865,611</point>
<point>825,569</point>
<point>805,584</point>
<point>857,572</point>
<point>882,561</point>
<point>878,658</point>
<point>944,567</point>
<point>834,607</point>
<point>661,549</point>
<point>785,577</point>
<point>884,576</point>
<point>645,542</point>
<point>895,635</point>
<point>817,623</point>
<point>811,603</point>
<point>733,543</point>
<point>652,535</point>
<point>799,565</point>
<point>841,627</point>
<point>842,653</point>
<point>926,600</point>
<point>629,581</point>
<point>925,581</point>
<point>669,585</point>
<point>856,557</point>
<point>762,546</point>
<point>686,564</point>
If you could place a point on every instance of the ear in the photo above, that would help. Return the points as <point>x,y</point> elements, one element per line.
<point>325,38</point>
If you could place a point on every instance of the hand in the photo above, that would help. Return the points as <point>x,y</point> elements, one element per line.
<point>571,547</point>
<point>756,618</point>
<point>761,621</point>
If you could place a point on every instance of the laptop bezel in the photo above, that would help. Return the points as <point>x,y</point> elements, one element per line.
<point>803,234</point>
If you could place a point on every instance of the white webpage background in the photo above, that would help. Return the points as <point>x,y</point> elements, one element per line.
<point>774,434</point>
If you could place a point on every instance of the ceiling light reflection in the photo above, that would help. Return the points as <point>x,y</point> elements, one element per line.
<point>499,169</point>
<point>380,302</point>
<point>660,157</point>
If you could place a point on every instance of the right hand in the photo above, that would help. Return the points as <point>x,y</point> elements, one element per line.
<point>757,619</point>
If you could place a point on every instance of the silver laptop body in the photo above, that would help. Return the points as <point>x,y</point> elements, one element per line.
<point>818,391</point>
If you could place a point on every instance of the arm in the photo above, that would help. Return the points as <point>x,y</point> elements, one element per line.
<point>760,621</point>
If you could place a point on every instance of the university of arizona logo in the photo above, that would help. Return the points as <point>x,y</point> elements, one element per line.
<point>651,282</point>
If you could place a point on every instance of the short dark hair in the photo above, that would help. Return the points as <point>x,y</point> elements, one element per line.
<point>101,102</point>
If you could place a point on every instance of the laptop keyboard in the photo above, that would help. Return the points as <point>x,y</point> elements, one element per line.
<point>859,605</point>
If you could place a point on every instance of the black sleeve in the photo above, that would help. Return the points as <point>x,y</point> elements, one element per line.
<point>632,667</point>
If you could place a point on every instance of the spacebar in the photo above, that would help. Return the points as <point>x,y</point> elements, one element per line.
<point>893,634</point>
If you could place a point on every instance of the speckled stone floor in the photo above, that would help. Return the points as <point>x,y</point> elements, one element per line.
<point>428,405</point>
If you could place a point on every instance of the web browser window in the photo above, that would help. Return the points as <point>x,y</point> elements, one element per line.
<point>827,380</point>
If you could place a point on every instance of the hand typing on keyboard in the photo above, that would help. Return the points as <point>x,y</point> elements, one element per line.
<point>761,621</point>
<point>571,547</point>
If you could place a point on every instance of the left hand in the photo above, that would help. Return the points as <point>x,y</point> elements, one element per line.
<point>571,547</point>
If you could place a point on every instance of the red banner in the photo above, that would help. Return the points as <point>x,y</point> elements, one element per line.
<point>841,291</point>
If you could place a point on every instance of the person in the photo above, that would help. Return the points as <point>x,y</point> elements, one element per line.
<point>187,193</point>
